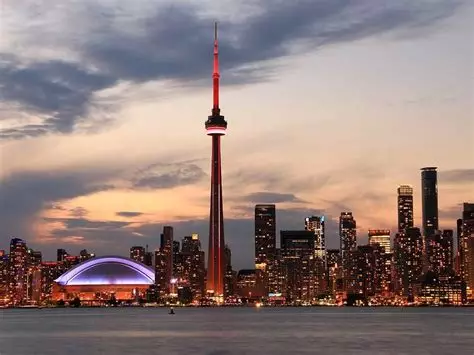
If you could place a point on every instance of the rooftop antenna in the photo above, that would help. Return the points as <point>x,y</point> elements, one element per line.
<point>215,75</point>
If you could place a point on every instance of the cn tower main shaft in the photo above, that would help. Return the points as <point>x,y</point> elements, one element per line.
<point>216,127</point>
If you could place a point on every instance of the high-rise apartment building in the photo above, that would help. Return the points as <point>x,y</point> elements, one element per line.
<point>467,249</point>
<point>297,251</point>
<point>429,200</point>
<point>408,255</point>
<point>265,235</point>
<point>348,241</point>
<point>439,252</point>
<point>315,224</point>
<point>164,262</point>
<point>18,271</point>
<point>3,276</point>
<point>405,207</point>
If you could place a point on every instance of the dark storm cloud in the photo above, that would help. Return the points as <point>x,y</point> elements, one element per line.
<point>271,197</point>
<point>57,91</point>
<point>128,214</point>
<point>165,176</point>
<point>23,195</point>
<point>457,176</point>
<point>174,43</point>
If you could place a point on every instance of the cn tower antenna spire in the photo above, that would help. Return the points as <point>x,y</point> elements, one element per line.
<point>215,74</point>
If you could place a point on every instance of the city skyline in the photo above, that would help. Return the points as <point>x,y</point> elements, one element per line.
<point>74,193</point>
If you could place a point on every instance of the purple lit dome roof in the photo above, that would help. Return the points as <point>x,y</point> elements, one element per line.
<point>108,270</point>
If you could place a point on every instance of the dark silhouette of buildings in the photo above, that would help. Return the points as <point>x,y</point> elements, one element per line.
<point>429,200</point>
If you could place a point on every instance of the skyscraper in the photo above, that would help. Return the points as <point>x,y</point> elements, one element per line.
<point>348,242</point>
<point>347,232</point>
<point>315,224</point>
<point>297,250</point>
<point>216,127</point>
<point>265,235</point>
<point>429,200</point>
<point>405,207</point>
<point>194,265</point>
<point>164,262</point>
<point>467,247</point>
<point>18,271</point>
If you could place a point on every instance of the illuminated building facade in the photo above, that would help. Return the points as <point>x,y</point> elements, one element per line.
<point>429,200</point>
<point>466,250</point>
<point>216,127</point>
<point>276,282</point>
<point>249,284</point>
<point>4,277</point>
<point>441,290</point>
<point>365,267</point>
<point>408,255</point>
<point>265,235</point>
<point>382,238</point>
<point>98,279</point>
<point>164,262</point>
<point>297,252</point>
<point>405,207</point>
<point>348,241</point>
<point>18,271</point>
<point>334,271</point>
<point>315,224</point>
<point>192,258</point>
<point>439,255</point>
<point>137,253</point>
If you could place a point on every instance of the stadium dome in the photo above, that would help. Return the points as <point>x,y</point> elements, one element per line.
<point>108,270</point>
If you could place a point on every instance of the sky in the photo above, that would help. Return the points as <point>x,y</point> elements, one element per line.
<point>331,105</point>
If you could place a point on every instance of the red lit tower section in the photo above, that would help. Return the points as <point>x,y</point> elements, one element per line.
<point>216,127</point>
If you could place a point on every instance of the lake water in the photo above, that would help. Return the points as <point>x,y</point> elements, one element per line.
<point>225,331</point>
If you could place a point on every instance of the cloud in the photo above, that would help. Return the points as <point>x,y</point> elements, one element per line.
<point>165,176</point>
<point>24,195</point>
<point>457,176</point>
<point>83,223</point>
<point>59,92</point>
<point>78,212</point>
<point>271,197</point>
<point>116,42</point>
<point>128,214</point>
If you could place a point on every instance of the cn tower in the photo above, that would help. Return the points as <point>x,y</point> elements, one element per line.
<point>216,127</point>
